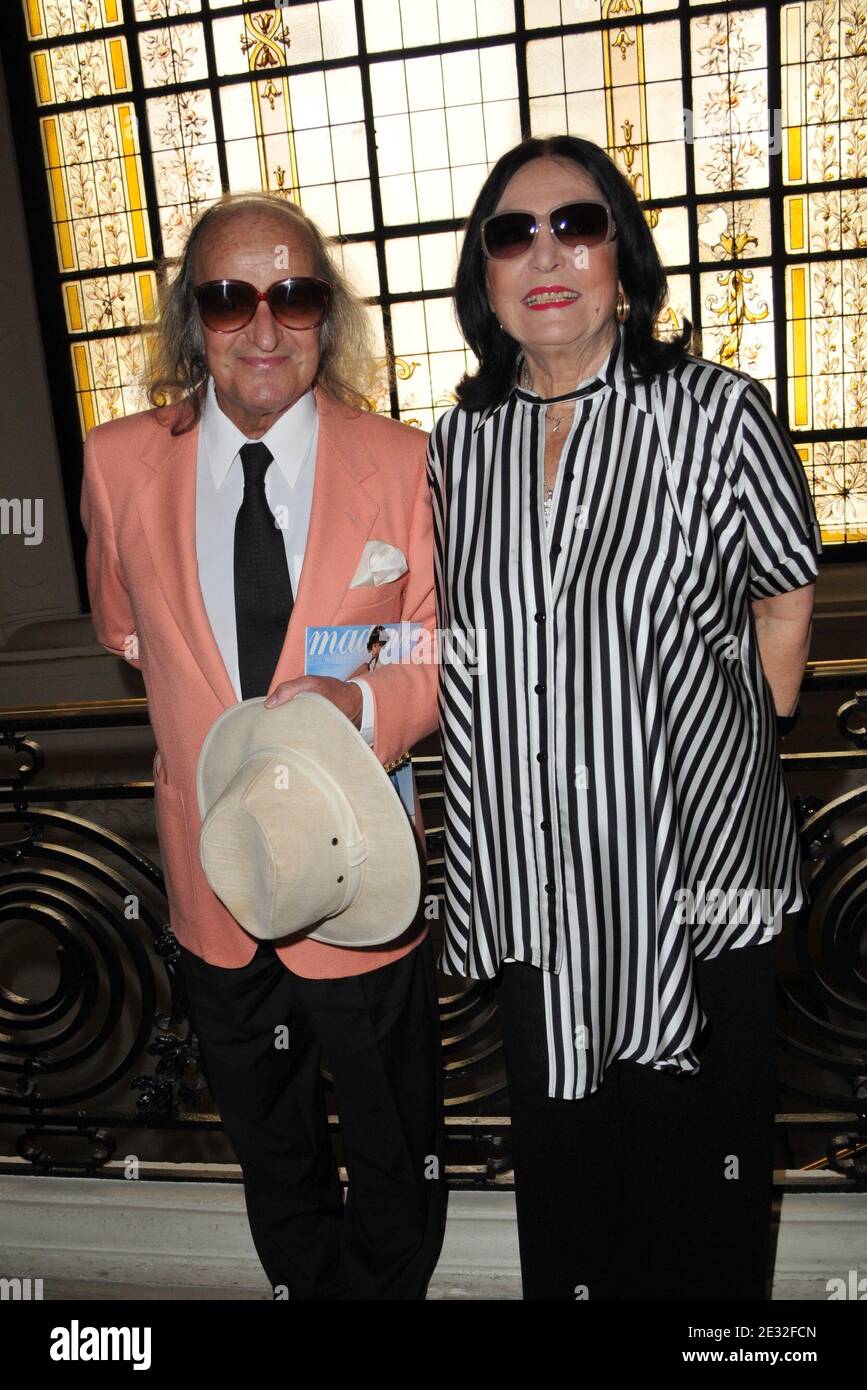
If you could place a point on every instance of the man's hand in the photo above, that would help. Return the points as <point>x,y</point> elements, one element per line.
<point>346,696</point>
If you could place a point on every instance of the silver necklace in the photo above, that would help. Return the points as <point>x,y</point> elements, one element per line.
<point>555,421</point>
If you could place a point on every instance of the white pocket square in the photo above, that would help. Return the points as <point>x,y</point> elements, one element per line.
<point>380,563</point>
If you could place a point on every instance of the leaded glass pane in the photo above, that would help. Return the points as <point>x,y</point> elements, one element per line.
<point>278,98</point>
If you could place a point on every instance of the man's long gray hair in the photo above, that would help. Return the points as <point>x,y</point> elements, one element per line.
<point>178,368</point>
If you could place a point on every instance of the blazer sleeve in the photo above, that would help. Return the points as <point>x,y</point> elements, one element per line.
<point>783,533</point>
<point>405,694</point>
<point>110,605</point>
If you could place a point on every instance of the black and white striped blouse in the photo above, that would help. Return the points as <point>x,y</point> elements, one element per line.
<point>614,802</point>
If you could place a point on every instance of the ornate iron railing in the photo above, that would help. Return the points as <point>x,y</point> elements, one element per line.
<point>105,1049</point>
<point>822,1030</point>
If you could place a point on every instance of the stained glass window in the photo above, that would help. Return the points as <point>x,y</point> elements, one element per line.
<point>743,129</point>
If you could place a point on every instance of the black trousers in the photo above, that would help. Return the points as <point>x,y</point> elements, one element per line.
<point>658,1185</point>
<point>380,1034</point>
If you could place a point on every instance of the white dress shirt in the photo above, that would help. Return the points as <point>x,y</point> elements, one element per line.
<point>292,441</point>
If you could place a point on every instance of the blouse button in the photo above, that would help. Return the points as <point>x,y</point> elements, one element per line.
<point>541,757</point>
<point>540,617</point>
<point>540,689</point>
<point>544,825</point>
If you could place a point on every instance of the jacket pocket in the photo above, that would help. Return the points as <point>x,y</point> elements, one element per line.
<point>365,596</point>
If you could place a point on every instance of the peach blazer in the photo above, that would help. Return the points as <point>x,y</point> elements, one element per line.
<point>138,506</point>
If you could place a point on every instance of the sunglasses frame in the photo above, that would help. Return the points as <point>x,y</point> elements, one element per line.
<point>537,223</point>
<point>264,294</point>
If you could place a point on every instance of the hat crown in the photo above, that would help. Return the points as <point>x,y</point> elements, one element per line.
<point>286,819</point>
<point>301,825</point>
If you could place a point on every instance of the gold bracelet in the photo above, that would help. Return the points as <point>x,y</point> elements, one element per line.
<point>396,762</point>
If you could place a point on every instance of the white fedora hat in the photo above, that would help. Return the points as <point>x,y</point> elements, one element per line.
<point>301,827</point>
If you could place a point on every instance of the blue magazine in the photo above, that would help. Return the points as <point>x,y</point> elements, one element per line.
<point>346,651</point>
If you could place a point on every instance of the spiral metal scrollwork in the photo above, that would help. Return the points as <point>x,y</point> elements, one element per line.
<point>823,1033</point>
<point>83,919</point>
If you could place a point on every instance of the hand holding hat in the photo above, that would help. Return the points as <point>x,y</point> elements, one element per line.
<point>301,827</point>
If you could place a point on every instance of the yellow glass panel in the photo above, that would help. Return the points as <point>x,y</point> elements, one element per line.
<point>74,312</point>
<point>57,192</point>
<point>800,408</point>
<point>796,224</point>
<point>33,16</point>
<point>794,146</point>
<point>147,297</point>
<point>131,168</point>
<point>119,68</point>
<point>51,143</point>
<point>44,90</point>
<point>82,367</point>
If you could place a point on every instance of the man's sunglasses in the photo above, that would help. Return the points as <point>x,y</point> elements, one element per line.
<point>506,235</point>
<point>227,305</point>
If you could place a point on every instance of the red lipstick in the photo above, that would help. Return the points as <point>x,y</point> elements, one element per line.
<point>556,296</point>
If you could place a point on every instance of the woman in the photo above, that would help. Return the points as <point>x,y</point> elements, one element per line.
<point>631,531</point>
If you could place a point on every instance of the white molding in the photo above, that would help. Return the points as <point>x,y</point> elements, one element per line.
<point>195,1234</point>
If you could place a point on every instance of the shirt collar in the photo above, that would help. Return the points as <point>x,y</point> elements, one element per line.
<point>614,374</point>
<point>289,438</point>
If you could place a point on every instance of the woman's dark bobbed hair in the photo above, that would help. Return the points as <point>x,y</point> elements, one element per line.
<point>638,266</point>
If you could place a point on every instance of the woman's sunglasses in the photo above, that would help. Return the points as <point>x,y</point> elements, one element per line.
<point>227,305</point>
<point>506,235</point>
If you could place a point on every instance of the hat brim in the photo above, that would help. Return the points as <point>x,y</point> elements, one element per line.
<point>315,726</point>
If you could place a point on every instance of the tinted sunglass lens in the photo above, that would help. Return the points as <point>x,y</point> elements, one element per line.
<point>299,303</point>
<point>226,305</point>
<point>510,234</point>
<point>580,224</point>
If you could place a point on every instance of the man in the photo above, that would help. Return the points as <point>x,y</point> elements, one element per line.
<point>191,579</point>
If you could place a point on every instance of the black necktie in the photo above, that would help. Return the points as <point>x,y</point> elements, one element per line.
<point>263,588</point>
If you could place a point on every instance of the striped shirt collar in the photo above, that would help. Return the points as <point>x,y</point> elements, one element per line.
<point>614,374</point>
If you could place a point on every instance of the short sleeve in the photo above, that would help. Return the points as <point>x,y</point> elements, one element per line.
<point>783,532</point>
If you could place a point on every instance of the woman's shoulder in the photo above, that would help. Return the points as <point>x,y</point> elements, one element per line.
<point>713,387</point>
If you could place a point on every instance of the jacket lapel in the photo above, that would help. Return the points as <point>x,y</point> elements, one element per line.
<point>341,519</point>
<point>167,508</point>
<point>342,516</point>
